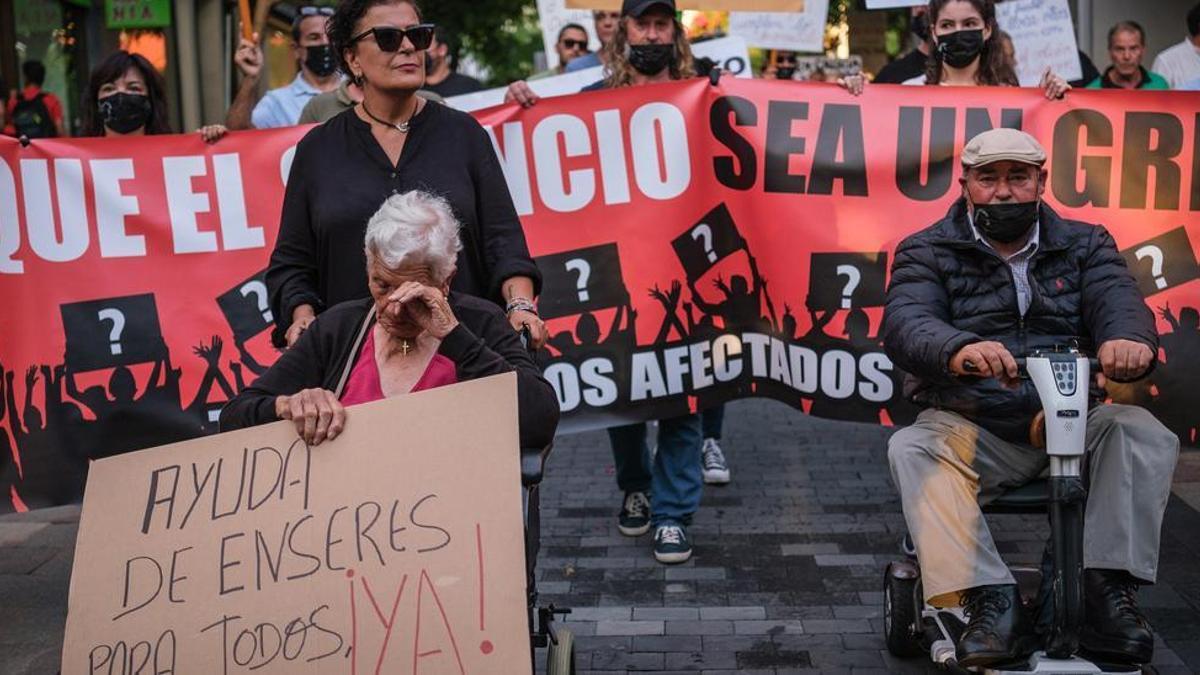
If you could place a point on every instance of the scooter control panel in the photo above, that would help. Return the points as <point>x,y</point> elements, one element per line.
<point>1064,376</point>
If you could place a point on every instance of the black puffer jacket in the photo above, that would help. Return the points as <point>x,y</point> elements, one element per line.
<point>948,290</point>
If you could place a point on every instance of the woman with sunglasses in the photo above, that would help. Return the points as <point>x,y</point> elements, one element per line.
<point>391,143</point>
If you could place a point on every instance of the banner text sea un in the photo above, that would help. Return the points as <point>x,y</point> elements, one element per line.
<point>793,142</point>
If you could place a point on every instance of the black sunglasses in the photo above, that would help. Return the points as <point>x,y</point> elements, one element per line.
<point>389,39</point>
<point>575,44</point>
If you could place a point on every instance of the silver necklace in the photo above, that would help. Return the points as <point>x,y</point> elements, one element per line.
<point>402,127</point>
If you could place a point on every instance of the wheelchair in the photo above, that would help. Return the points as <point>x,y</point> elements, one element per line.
<point>543,631</point>
<point>1052,592</point>
<point>543,628</point>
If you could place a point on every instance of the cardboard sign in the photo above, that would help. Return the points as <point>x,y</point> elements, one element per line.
<point>120,14</point>
<point>729,53</point>
<point>1043,36</point>
<point>795,31</point>
<point>396,548</point>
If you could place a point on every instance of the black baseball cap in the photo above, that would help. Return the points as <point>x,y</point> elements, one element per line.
<point>636,8</point>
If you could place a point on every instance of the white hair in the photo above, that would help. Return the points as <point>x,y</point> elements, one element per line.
<point>415,228</point>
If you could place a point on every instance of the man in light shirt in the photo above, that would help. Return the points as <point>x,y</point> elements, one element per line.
<point>1181,63</point>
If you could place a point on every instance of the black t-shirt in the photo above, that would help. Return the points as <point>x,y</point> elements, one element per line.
<point>454,85</point>
<point>902,69</point>
<point>340,176</point>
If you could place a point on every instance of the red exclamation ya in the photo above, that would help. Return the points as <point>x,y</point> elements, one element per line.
<point>486,646</point>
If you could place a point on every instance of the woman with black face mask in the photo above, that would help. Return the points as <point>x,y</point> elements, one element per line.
<point>967,49</point>
<point>126,97</point>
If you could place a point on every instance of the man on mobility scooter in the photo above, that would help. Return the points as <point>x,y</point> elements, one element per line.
<point>1002,275</point>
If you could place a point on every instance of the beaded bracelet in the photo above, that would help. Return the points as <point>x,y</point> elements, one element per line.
<point>520,304</point>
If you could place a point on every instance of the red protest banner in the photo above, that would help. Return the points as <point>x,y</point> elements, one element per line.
<point>698,243</point>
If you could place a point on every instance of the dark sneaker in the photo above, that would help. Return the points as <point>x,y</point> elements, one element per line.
<point>635,515</point>
<point>1113,626</point>
<point>716,469</point>
<point>997,630</point>
<point>671,544</point>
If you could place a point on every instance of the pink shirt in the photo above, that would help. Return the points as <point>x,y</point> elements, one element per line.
<point>363,385</point>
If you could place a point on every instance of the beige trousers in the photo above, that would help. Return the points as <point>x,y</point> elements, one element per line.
<point>945,467</point>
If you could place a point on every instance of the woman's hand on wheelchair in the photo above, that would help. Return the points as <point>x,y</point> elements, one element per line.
<point>317,414</point>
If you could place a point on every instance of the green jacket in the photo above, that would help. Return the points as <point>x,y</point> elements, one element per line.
<point>1150,80</point>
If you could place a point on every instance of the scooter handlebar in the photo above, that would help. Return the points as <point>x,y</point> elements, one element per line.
<point>970,367</point>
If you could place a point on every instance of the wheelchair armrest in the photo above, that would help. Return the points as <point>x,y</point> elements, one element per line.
<point>533,464</point>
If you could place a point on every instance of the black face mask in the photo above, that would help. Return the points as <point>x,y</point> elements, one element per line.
<point>651,59</point>
<point>960,48</point>
<point>785,72</point>
<point>1006,222</point>
<point>319,60</point>
<point>123,112</point>
<point>920,26</point>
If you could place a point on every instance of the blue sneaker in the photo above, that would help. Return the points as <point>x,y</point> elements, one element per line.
<point>671,545</point>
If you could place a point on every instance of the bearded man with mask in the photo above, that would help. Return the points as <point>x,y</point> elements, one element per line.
<point>650,47</point>
<point>281,107</point>
<point>1003,274</point>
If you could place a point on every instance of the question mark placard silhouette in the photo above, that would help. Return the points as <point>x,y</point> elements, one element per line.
<point>703,233</point>
<point>581,280</point>
<point>111,332</point>
<point>1155,255</point>
<point>853,276</point>
<point>707,241</point>
<point>584,270</point>
<point>840,281</point>
<point>118,326</point>
<point>1163,262</point>
<point>258,289</point>
<point>247,307</point>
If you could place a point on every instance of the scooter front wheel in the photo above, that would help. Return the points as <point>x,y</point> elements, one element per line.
<point>900,620</point>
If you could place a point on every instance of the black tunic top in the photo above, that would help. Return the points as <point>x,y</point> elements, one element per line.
<point>340,177</point>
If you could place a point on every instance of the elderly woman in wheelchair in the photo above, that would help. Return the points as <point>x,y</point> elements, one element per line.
<point>412,334</point>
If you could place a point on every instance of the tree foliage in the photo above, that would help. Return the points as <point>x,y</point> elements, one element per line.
<point>502,35</point>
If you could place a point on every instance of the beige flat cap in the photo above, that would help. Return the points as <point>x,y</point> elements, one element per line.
<point>1003,145</point>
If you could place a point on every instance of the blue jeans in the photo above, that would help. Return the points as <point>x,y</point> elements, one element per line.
<point>676,480</point>
<point>712,420</point>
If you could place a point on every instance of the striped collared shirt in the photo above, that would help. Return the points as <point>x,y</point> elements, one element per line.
<point>1017,262</point>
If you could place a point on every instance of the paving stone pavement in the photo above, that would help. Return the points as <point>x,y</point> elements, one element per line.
<point>788,560</point>
<point>785,578</point>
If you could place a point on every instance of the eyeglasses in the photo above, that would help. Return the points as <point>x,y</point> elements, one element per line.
<point>601,15</point>
<point>389,39</point>
<point>575,44</point>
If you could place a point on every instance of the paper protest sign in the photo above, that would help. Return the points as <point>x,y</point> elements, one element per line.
<point>1042,36</point>
<point>729,53</point>
<point>893,4</point>
<point>796,31</point>
<point>553,15</point>
<point>395,548</point>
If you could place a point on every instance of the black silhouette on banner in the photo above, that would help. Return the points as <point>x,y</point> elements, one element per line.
<point>44,460</point>
<point>1175,379</point>
<point>1163,262</point>
<point>245,307</point>
<point>708,242</point>
<point>846,280</point>
<point>721,339</point>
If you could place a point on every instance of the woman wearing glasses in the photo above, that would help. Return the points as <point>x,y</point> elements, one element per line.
<point>391,143</point>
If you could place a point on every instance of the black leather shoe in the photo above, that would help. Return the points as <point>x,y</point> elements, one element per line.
<point>997,629</point>
<point>1114,627</point>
